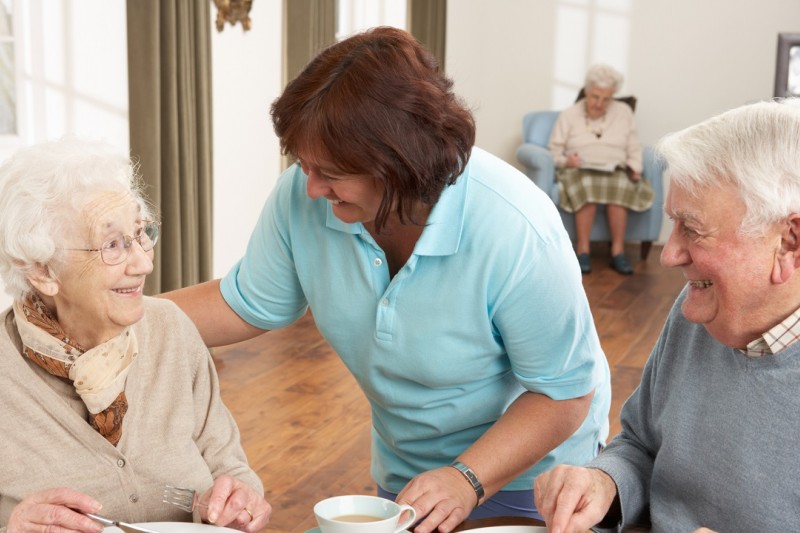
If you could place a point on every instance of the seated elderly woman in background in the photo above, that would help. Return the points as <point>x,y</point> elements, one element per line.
<point>598,159</point>
<point>107,395</point>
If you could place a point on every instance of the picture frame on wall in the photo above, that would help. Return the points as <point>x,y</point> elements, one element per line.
<point>787,66</point>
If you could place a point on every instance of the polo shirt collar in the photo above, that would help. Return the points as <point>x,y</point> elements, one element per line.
<point>443,230</point>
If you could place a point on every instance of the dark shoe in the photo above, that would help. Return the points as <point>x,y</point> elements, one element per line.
<point>585,262</point>
<point>620,264</point>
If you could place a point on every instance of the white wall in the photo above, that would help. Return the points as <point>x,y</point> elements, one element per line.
<point>246,71</point>
<point>685,60</point>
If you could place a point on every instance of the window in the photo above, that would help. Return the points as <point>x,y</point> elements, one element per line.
<point>357,15</point>
<point>8,100</point>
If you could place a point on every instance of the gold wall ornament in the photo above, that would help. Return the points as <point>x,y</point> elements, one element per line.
<point>233,11</point>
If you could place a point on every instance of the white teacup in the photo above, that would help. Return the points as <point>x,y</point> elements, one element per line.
<point>362,514</point>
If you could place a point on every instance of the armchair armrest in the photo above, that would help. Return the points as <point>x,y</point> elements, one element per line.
<point>653,171</point>
<point>539,167</point>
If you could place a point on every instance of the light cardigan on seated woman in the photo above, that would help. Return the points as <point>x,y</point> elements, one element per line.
<point>611,139</point>
<point>107,395</point>
<point>176,429</point>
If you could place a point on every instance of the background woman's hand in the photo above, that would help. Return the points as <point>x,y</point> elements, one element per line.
<point>444,495</point>
<point>573,160</point>
<point>235,504</point>
<point>572,499</point>
<point>55,510</point>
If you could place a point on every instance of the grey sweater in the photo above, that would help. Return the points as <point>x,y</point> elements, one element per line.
<point>710,438</point>
<point>177,431</point>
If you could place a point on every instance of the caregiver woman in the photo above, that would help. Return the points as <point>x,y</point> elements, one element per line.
<point>441,275</point>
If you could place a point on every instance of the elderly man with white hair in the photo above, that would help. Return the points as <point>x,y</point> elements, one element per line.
<point>709,438</point>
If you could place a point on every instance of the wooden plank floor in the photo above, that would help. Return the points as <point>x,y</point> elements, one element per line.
<point>305,423</point>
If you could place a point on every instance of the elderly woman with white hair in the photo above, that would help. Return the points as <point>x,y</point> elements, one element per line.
<point>598,158</point>
<point>107,395</point>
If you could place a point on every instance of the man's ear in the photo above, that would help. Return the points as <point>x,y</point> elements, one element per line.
<point>43,280</point>
<point>787,256</point>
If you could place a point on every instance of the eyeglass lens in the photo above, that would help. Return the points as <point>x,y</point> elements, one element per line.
<point>116,250</point>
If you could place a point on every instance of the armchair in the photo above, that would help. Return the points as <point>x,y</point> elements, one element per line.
<point>644,227</point>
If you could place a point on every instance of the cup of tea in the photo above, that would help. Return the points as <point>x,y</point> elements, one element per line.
<point>362,514</point>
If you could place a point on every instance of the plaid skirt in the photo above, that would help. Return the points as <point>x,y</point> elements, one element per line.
<point>577,187</point>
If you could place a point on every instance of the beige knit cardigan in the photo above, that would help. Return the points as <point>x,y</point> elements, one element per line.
<point>177,431</point>
<point>619,141</point>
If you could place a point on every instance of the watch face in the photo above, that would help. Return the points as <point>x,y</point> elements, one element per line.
<point>477,486</point>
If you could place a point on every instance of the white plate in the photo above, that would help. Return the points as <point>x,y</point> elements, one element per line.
<point>511,529</point>
<point>176,527</point>
<point>316,530</point>
<point>492,529</point>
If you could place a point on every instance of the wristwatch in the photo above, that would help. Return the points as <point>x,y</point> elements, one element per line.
<point>471,477</point>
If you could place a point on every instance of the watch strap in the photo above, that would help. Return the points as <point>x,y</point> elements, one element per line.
<point>477,486</point>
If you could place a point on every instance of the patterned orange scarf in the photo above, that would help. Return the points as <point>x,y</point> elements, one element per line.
<point>98,374</point>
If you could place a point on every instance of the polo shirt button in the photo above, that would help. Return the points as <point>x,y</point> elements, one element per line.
<point>385,302</point>
<point>120,462</point>
<point>133,498</point>
<point>377,262</point>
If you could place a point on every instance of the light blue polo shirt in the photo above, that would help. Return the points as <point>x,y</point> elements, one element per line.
<point>489,304</point>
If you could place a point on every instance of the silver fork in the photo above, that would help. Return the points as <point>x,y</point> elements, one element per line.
<point>185,499</point>
<point>124,526</point>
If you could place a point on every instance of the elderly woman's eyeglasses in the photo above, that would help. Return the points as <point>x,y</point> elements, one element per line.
<point>116,250</point>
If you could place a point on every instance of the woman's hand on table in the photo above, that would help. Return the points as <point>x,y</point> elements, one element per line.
<point>232,503</point>
<point>572,499</point>
<point>443,496</point>
<point>57,509</point>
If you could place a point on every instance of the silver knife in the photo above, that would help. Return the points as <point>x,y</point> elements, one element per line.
<point>124,526</point>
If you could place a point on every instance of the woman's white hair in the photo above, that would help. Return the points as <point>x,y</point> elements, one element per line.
<point>603,77</point>
<point>42,191</point>
<point>755,147</point>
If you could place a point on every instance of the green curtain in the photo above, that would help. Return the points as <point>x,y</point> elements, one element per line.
<point>310,27</point>
<point>427,21</point>
<point>169,82</point>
